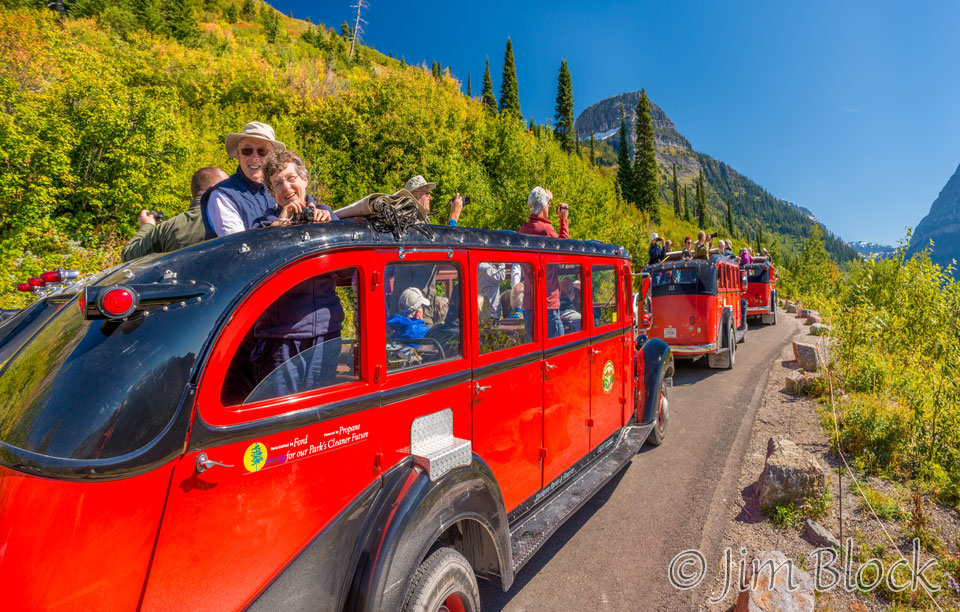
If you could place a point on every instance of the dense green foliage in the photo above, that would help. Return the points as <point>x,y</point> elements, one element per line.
<point>897,355</point>
<point>100,125</point>
<point>563,117</point>
<point>701,202</point>
<point>509,90</point>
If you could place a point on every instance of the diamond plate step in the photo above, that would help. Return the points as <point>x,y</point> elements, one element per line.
<point>529,534</point>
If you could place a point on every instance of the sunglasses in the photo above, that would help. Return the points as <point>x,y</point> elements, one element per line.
<point>261,151</point>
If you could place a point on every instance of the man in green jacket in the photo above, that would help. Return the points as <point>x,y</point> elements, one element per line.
<point>182,230</point>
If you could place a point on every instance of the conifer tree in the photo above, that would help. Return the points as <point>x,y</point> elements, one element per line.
<point>624,168</point>
<point>593,155</point>
<point>645,185</point>
<point>248,10</point>
<point>563,117</point>
<point>346,31</point>
<point>232,14</point>
<point>180,21</point>
<point>469,87</point>
<point>676,193</point>
<point>701,202</point>
<point>576,139</point>
<point>729,219</point>
<point>150,16</point>
<point>509,91</point>
<point>686,204</point>
<point>486,96</point>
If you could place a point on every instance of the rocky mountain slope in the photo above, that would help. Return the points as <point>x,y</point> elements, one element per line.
<point>941,226</point>
<point>755,209</point>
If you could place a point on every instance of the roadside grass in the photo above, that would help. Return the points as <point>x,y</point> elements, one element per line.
<point>788,515</point>
<point>887,507</point>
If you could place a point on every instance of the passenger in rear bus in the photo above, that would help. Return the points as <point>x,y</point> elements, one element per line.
<point>702,248</point>
<point>538,203</point>
<point>688,247</point>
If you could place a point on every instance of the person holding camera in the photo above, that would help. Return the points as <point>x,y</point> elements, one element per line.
<point>180,231</point>
<point>656,252</point>
<point>538,203</point>
<point>287,177</point>
<point>420,189</point>
<point>702,248</point>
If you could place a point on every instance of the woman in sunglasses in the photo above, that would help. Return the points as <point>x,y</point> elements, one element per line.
<point>236,203</point>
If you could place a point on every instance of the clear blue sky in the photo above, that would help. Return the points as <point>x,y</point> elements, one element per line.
<point>849,108</point>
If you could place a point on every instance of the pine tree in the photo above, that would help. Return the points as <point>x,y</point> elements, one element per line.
<point>563,117</point>
<point>576,139</point>
<point>469,87</point>
<point>645,185</point>
<point>180,21</point>
<point>248,11</point>
<point>486,96</point>
<point>593,155</point>
<point>701,202</point>
<point>686,204</point>
<point>270,20</point>
<point>151,18</point>
<point>624,168</point>
<point>346,32</point>
<point>729,219</point>
<point>509,91</point>
<point>676,193</point>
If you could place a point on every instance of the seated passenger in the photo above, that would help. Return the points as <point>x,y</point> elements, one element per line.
<point>407,326</point>
<point>570,303</point>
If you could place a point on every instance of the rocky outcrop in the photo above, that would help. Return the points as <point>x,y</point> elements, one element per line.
<point>942,226</point>
<point>603,118</point>
<point>776,585</point>
<point>791,474</point>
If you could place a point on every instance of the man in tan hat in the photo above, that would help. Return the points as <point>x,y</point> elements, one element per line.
<point>233,205</point>
<point>420,189</point>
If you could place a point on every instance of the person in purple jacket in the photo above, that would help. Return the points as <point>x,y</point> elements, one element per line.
<point>297,339</point>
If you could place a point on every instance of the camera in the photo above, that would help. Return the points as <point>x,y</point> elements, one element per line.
<point>304,216</point>
<point>157,217</point>
<point>466,200</point>
<point>713,235</point>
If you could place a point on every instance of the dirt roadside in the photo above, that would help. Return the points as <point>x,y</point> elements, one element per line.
<point>750,531</point>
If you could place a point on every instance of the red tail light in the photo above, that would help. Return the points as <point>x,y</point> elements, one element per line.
<point>117,302</point>
<point>24,287</point>
<point>53,276</point>
<point>36,281</point>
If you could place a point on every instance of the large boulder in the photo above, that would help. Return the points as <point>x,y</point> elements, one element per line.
<point>814,317</point>
<point>791,474</point>
<point>791,307</point>
<point>776,585</point>
<point>807,356</point>
<point>799,382</point>
<point>819,329</point>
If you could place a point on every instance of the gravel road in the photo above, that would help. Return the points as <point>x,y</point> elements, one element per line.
<point>614,553</point>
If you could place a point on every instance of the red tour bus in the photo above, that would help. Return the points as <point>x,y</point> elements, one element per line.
<point>698,307</point>
<point>156,454</point>
<point>761,292</point>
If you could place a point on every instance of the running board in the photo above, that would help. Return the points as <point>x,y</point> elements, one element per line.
<point>528,535</point>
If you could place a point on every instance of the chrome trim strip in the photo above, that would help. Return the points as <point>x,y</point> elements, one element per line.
<point>692,349</point>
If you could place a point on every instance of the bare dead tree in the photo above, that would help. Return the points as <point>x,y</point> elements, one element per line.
<point>357,28</point>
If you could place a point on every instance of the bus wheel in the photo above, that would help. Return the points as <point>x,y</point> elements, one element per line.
<point>444,582</point>
<point>659,430</point>
<point>731,346</point>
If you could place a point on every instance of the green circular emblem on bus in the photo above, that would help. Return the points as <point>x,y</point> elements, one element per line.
<point>608,376</point>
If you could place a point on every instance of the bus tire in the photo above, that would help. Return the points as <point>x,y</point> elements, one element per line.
<point>443,582</point>
<point>659,431</point>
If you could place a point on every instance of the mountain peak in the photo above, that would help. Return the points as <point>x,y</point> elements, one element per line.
<point>941,225</point>
<point>602,120</point>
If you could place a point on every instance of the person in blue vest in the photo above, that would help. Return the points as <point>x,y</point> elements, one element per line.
<point>236,203</point>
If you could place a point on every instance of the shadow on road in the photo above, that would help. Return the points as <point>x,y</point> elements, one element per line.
<point>492,597</point>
